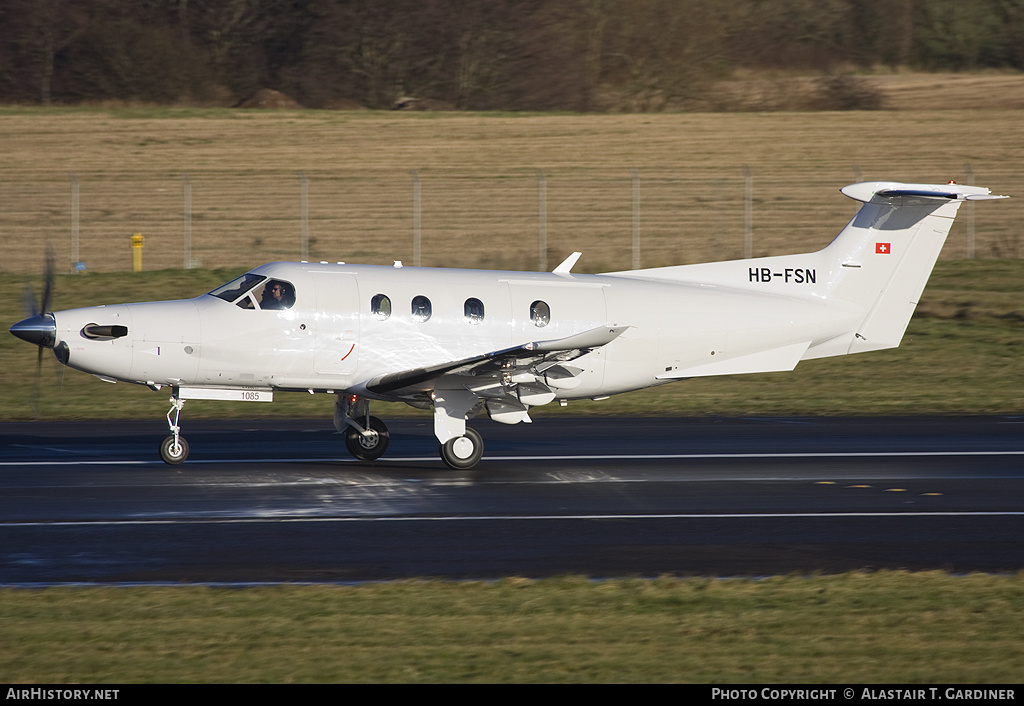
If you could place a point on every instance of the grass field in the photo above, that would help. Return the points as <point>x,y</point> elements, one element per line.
<point>480,196</point>
<point>479,207</point>
<point>888,628</point>
<point>480,190</point>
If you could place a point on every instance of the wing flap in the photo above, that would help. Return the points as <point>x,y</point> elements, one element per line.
<point>528,354</point>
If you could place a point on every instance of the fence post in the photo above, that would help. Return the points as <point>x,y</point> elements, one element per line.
<point>76,265</point>
<point>542,221</point>
<point>416,224</point>
<point>636,217</point>
<point>186,185</point>
<point>969,180</point>
<point>748,213</point>
<point>304,213</point>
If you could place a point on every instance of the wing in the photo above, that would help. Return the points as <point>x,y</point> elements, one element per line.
<point>528,363</point>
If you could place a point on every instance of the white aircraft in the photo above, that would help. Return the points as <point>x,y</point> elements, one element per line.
<point>464,341</point>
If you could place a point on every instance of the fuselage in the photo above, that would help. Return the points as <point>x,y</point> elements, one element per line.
<point>348,324</point>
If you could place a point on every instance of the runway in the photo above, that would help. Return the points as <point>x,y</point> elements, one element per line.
<point>276,501</point>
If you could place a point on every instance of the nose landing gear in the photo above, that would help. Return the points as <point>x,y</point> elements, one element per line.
<point>174,449</point>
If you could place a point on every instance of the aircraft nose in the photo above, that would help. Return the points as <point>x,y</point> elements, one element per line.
<point>39,330</point>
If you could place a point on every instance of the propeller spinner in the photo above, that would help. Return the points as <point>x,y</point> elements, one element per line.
<point>39,330</point>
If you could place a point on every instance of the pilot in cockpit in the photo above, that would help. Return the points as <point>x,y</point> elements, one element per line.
<point>277,295</point>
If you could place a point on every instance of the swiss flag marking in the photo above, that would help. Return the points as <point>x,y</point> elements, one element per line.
<point>882,248</point>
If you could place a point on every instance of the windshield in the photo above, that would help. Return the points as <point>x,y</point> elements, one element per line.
<point>237,287</point>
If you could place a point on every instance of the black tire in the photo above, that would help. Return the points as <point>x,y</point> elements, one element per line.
<point>457,454</point>
<point>369,447</point>
<point>172,455</point>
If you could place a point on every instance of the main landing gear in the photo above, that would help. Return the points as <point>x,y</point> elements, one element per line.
<point>367,437</point>
<point>463,451</point>
<point>371,442</point>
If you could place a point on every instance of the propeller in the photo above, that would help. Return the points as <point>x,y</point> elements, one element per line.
<point>40,328</point>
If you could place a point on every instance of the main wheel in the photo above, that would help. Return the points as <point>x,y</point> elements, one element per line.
<point>463,451</point>
<point>369,446</point>
<point>173,453</point>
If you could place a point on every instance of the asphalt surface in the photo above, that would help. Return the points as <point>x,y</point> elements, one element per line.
<point>276,501</point>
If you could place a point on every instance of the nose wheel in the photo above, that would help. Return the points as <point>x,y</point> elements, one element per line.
<point>174,449</point>
<point>463,451</point>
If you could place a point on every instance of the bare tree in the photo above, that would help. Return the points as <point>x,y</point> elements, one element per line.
<point>34,32</point>
<point>664,52</point>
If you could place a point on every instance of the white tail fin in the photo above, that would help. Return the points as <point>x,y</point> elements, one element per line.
<point>873,273</point>
<point>882,260</point>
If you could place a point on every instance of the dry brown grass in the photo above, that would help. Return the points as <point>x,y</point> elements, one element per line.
<point>892,91</point>
<point>944,91</point>
<point>479,183</point>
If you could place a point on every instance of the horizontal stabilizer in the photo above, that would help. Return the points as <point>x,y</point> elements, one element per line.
<point>877,191</point>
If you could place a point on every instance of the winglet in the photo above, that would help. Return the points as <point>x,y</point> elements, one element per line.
<point>567,263</point>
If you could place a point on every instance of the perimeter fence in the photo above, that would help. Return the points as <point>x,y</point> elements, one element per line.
<point>521,219</point>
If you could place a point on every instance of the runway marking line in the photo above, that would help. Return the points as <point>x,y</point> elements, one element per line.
<point>491,518</point>
<point>579,457</point>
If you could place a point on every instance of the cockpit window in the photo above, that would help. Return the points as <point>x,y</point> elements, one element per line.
<point>233,290</point>
<point>277,294</point>
<point>251,291</point>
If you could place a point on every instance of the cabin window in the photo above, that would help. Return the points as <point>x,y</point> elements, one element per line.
<point>278,295</point>
<point>474,310</point>
<point>420,308</point>
<point>540,314</point>
<point>380,305</point>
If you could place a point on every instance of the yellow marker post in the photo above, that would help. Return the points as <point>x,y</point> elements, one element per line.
<point>137,252</point>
